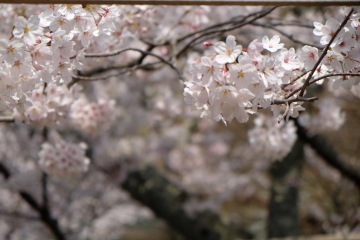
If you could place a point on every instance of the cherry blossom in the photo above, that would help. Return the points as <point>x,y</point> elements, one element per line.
<point>63,159</point>
<point>289,59</point>
<point>309,56</point>
<point>327,31</point>
<point>28,29</point>
<point>243,74</point>
<point>11,51</point>
<point>273,44</point>
<point>227,52</point>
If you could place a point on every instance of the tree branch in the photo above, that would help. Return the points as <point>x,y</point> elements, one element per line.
<point>7,119</point>
<point>117,52</point>
<point>298,99</point>
<point>322,77</point>
<point>259,15</point>
<point>334,75</point>
<point>147,66</point>
<point>45,199</point>
<point>232,21</point>
<point>328,154</point>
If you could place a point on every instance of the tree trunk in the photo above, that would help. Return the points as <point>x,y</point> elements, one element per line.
<point>283,209</point>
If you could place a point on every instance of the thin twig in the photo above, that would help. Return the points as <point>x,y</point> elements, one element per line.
<point>322,77</point>
<point>263,13</point>
<point>232,21</point>
<point>307,81</point>
<point>298,99</point>
<point>147,66</point>
<point>334,75</point>
<point>94,55</point>
<point>284,34</point>
<point>292,24</point>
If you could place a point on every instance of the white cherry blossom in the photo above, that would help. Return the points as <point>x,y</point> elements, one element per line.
<point>273,44</point>
<point>28,29</point>
<point>309,55</point>
<point>11,51</point>
<point>327,31</point>
<point>227,52</point>
<point>243,74</point>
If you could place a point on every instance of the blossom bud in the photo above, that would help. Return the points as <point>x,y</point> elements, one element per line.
<point>207,44</point>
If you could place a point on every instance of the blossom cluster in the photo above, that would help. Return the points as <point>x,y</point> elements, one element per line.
<point>49,46</point>
<point>92,117</point>
<point>274,141</point>
<point>236,81</point>
<point>232,83</point>
<point>344,54</point>
<point>48,106</point>
<point>63,159</point>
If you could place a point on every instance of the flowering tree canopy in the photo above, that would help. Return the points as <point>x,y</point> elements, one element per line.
<point>94,92</point>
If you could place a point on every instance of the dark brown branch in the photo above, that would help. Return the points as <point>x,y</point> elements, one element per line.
<point>4,171</point>
<point>7,119</point>
<point>94,55</point>
<point>307,81</point>
<point>298,99</point>
<point>44,190</point>
<point>147,66</point>
<point>334,75</point>
<point>295,24</point>
<point>100,70</point>
<point>323,77</point>
<point>328,154</point>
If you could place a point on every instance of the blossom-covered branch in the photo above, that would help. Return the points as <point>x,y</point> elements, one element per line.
<point>333,36</point>
<point>225,85</point>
